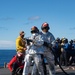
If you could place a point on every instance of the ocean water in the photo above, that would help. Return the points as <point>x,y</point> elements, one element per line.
<point>6,56</point>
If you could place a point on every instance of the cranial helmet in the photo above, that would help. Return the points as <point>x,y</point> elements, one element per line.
<point>58,39</point>
<point>34,29</point>
<point>45,25</point>
<point>22,33</point>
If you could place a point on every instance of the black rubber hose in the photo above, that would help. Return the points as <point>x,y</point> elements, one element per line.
<point>58,62</point>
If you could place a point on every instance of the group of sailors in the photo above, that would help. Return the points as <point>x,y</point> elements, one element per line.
<point>37,47</point>
<point>65,51</point>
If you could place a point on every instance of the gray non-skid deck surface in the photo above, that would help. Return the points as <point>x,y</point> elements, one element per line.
<point>5,71</point>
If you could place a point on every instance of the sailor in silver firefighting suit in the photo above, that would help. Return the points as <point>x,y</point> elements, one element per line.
<point>35,49</point>
<point>48,38</point>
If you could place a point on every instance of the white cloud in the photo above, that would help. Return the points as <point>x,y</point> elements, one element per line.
<point>3,28</point>
<point>34,18</point>
<point>6,18</point>
<point>7,44</point>
<point>73,28</point>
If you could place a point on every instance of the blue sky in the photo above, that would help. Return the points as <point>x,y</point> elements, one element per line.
<point>17,15</point>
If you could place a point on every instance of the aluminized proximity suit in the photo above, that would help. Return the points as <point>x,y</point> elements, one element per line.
<point>34,52</point>
<point>49,38</point>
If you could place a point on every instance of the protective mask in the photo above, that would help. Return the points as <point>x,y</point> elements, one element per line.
<point>34,34</point>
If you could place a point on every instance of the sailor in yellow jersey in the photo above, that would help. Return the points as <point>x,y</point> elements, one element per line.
<point>21,43</point>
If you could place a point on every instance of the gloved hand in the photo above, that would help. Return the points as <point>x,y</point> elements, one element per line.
<point>47,45</point>
<point>28,41</point>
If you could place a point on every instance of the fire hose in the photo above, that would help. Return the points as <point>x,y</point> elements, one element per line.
<point>46,44</point>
